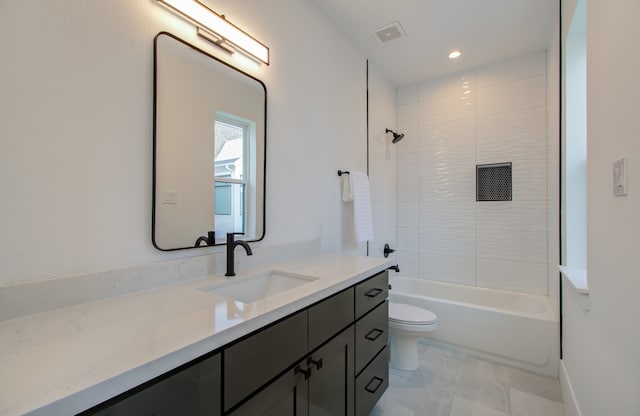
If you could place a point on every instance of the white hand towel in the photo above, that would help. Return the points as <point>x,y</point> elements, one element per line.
<point>347,188</point>
<point>362,219</point>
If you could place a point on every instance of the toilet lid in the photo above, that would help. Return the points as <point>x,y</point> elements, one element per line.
<point>401,312</point>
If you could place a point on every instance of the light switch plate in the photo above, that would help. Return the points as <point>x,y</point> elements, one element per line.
<point>620,168</point>
<point>169,197</point>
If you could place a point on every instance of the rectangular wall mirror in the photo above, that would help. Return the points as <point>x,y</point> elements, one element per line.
<point>209,148</point>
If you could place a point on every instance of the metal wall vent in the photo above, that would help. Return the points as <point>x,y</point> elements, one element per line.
<point>493,182</point>
<point>389,32</point>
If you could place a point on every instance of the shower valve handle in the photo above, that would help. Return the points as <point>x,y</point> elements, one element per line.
<point>388,250</point>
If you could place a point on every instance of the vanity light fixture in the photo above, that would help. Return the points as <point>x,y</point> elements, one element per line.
<point>218,30</point>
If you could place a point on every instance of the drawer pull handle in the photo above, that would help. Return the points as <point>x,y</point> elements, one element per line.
<point>374,334</point>
<point>307,372</point>
<point>318,363</point>
<point>378,382</point>
<point>373,292</point>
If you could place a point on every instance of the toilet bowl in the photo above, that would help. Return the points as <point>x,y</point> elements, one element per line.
<point>408,323</point>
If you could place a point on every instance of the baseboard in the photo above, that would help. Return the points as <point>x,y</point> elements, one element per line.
<point>568,395</point>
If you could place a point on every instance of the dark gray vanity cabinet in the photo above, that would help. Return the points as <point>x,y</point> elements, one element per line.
<point>372,335</point>
<point>194,389</point>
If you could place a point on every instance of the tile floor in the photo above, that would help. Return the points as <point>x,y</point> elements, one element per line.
<point>452,384</point>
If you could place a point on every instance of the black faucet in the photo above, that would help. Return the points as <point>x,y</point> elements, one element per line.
<point>209,240</point>
<point>231,245</point>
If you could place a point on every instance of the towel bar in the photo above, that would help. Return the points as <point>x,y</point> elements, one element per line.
<point>341,172</point>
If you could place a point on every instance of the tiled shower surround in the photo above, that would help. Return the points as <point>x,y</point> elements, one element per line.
<point>492,114</point>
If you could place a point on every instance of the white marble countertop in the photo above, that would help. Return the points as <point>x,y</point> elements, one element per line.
<point>68,360</point>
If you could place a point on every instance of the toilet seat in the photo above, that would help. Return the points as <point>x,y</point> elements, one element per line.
<point>404,314</point>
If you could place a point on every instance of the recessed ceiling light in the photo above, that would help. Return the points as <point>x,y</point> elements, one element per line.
<point>455,54</point>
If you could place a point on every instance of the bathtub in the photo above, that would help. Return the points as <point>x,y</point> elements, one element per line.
<point>512,328</point>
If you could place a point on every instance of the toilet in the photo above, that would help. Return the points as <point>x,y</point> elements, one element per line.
<point>408,323</point>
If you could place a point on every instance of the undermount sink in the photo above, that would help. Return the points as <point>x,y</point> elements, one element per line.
<point>254,288</point>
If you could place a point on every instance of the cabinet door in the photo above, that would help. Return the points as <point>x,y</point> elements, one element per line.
<point>252,362</point>
<point>194,391</point>
<point>331,384</point>
<point>286,396</point>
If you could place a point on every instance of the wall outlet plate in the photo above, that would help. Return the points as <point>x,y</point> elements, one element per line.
<point>620,168</point>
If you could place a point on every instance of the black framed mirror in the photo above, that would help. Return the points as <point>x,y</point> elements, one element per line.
<point>209,148</point>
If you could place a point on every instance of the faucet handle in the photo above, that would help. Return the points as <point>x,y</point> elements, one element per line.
<point>388,250</point>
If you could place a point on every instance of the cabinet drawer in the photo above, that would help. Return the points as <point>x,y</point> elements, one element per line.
<point>195,390</point>
<point>372,333</point>
<point>329,317</point>
<point>371,293</point>
<point>371,383</point>
<point>251,363</point>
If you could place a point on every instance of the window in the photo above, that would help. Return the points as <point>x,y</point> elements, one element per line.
<point>574,174</point>
<point>234,139</point>
<point>223,198</point>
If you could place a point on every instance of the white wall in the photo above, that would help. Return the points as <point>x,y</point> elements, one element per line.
<point>601,345</point>
<point>76,120</point>
<point>493,114</point>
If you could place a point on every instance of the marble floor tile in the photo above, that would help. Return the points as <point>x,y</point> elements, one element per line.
<point>533,383</point>
<point>526,404</point>
<point>463,407</point>
<point>449,383</point>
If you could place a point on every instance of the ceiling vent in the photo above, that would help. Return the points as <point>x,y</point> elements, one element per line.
<point>389,32</point>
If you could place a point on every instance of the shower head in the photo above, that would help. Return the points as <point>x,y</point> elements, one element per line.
<point>396,136</point>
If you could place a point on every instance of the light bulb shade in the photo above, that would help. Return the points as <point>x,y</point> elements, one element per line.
<point>209,20</point>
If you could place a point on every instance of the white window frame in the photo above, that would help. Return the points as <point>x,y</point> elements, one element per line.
<point>248,177</point>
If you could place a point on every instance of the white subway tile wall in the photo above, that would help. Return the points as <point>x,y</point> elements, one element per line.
<point>494,114</point>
